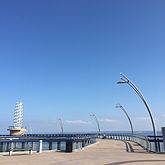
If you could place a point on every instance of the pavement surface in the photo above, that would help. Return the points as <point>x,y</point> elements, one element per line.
<point>104,152</point>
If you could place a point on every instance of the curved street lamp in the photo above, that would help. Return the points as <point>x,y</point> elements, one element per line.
<point>124,80</point>
<point>97,122</point>
<point>61,125</point>
<point>129,119</point>
<point>31,131</point>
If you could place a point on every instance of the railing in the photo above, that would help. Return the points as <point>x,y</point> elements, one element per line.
<point>66,135</point>
<point>149,143</point>
<point>43,142</point>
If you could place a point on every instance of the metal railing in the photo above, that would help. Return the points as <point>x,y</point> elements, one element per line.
<point>148,143</point>
<point>60,142</point>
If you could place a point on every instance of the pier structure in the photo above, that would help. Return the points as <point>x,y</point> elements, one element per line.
<point>17,128</point>
<point>105,152</point>
<point>72,142</point>
<point>44,142</point>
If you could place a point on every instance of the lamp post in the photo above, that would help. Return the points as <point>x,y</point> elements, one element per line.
<point>61,125</point>
<point>31,131</point>
<point>129,119</point>
<point>97,122</point>
<point>124,80</point>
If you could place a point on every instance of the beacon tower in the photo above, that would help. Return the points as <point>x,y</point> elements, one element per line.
<point>17,128</point>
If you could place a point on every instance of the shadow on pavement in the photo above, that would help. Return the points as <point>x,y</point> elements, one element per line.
<point>134,161</point>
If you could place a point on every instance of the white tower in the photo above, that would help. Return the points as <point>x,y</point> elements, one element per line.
<point>18,115</point>
<point>17,128</point>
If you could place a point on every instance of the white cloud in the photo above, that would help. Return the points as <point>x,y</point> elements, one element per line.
<point>76,122</point>
<point>163,115</point>
<point>108,120</point>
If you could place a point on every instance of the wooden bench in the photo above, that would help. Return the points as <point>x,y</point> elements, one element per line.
<point>19,150</point>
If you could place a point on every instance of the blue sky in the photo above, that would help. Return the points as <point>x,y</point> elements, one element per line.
<point>63,58</point>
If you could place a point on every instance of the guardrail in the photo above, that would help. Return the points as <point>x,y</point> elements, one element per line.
<point>149,143</point>
<point>43,142</point>
<point>76,141</point>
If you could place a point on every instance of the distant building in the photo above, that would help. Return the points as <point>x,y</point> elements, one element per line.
<point>17,128</point>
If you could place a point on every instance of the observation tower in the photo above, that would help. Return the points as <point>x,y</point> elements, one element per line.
<point>17,128</point>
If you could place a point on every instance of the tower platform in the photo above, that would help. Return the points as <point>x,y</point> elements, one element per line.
<point>16,131</point>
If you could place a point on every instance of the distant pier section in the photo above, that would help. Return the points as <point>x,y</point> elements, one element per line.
<point>44,142</point>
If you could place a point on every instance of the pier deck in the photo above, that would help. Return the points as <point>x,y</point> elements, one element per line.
<point>105,152</point>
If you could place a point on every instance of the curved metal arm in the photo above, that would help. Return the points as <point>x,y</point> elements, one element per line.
<point>129,119</point>
<point>61,126</point>
<point>124,79</point>
<point>97,122</point>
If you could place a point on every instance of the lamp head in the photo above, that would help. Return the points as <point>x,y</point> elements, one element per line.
<point>118,105</point>
<point>123,79</point>
<point>121,82</point>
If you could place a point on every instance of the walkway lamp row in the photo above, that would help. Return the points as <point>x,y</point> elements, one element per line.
<point>97,122</point>
<point>125,80</point>
<point>61,126</point>
<point>92,115</point>
<point>129,119</point>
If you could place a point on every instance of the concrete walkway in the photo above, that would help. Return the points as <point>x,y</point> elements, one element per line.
<point>105,152</point>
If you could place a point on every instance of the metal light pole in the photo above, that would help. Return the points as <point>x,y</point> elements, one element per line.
<point>97,122</point>
<point>31,131</point>
<point>124,80</point>
<point>129,119</point>
<point>61,125</point>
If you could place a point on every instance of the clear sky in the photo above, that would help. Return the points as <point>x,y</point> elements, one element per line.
<point>63,58</point>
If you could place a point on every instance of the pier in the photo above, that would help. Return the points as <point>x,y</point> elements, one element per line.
<point>72,142</point>
<point>45,142</point>
<point>104,152</point>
